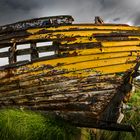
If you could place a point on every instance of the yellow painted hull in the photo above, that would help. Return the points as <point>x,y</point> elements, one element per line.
<point>90,76</point>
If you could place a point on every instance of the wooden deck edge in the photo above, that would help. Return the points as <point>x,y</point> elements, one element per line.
<point>115,107</point>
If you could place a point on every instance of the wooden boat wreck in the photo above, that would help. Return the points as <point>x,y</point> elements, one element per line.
<point>87,73</point>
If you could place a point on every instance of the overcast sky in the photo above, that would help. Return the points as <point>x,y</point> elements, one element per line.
<point>119,11</point>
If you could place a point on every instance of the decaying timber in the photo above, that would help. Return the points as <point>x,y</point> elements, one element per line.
<point>87,78</point>
<point>37,22</point>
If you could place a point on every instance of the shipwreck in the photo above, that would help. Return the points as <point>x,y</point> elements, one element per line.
<point>84,76</point>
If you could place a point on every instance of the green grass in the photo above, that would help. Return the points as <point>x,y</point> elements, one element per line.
<point>135,99</point>
<point>27,125</point>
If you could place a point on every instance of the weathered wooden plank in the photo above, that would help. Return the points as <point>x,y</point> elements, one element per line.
<point>56,79</point>
<point>53,37</point>
<point>23,51</point>
<point>12,54</point>
<point>50,95</point>
<point>112,27</point>
<point>11,35</point>
<point>61,101</point>
<point>98,50</point>
<point>74,40</point>
<point>75,36</point>
<point>96,63</point>
<point>121,43</point>
<point>121,38</point>
<point>89,120</point>
<point>93,33</point>
<point>14,65</point>
<point>105,126</point>
<point>68,36</point>
<point>46,48</point>
<point>48,71</point>
<point>34,52</point>
<point>4,54</point>
<point>59,88</point>
<point>37,22</point>
<point>38,84</point>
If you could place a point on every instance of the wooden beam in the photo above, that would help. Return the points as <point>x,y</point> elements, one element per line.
<point>12,54</point>
<point>83,120</point>
<point>36,23</point>
<point>4,54</point>
<point>34,51</point>
<point>14,65</point>
<point>110,127</point>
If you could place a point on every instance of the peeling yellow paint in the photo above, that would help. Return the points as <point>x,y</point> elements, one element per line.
<point>120,43</point>
<point>60,35</point>
<point>86,26</point>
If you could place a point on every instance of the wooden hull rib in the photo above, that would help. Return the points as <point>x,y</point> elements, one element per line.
<point>86,80</point>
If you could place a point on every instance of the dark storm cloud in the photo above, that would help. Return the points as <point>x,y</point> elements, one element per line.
<point>109,3</point>
<point>12,10</point>
<point>119,11</point>
<point>116,19</point>
<point>137,20</point>
<point>20,4</point>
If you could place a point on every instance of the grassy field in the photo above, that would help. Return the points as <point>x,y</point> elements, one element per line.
<point>26,125</point>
